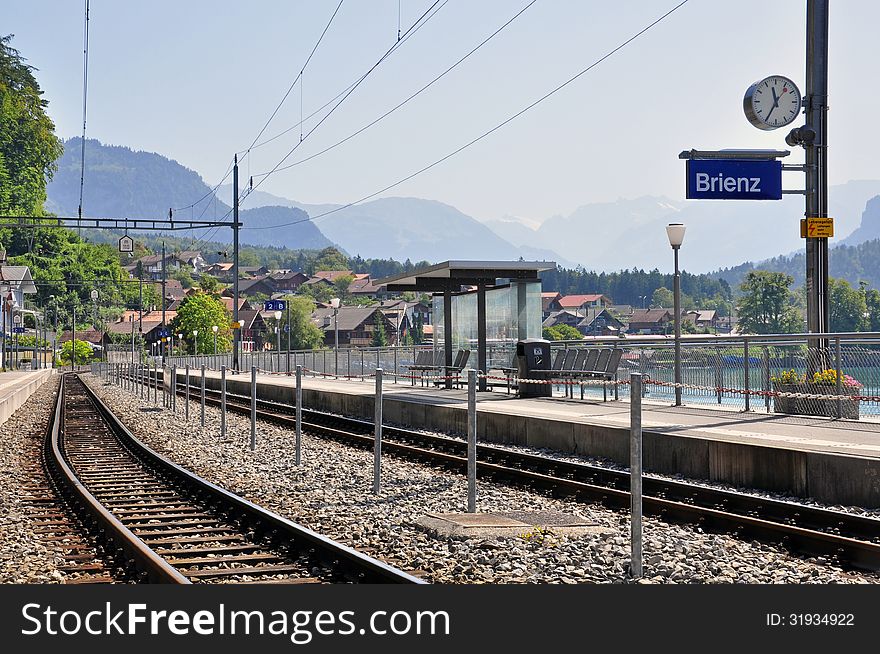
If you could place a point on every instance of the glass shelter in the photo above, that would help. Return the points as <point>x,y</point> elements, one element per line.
<point>478,303</point>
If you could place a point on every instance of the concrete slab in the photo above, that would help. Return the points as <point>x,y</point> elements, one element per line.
<point>513,524</point>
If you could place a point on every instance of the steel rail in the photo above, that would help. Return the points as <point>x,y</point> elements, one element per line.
<point>348,562</point>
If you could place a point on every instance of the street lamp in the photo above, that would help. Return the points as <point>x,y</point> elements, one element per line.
<point>180,342</point>
<point>196,342</point>
<point>642,298</point>
<point>675,233</point>
<point>334,304</point>
<point>214,329</point>
<point>278,330</point>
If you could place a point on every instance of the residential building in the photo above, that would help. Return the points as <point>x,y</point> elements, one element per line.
<point>650,321</point>
<point>561,317</point>
<point>549,304</point>
<point>583,302</point>
<point>355,325</point>
<point>599,322</point>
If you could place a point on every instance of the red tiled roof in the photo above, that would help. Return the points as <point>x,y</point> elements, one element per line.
<point>578,300</point>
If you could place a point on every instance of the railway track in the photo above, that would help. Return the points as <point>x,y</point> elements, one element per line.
<point>161,523</point>
<point>851,540</point>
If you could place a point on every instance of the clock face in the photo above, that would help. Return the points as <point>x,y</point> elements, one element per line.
<point>772,103</point>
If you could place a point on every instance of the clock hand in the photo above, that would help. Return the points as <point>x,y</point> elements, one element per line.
<point>767,117</point>
<point>775,98</point>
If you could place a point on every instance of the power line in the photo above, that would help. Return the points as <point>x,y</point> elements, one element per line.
<point>209,193</point>
<point>490,131</point>
<point>296,79</point>
<point>82,173</point>
<point>422,20</point>
<point>401,104</point>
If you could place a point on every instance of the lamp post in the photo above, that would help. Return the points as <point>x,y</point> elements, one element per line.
<point>334,303</point>
<point>180,342</point>
<point>675,233</point>
<point>278,331</point>
<point>214,329</point>
<point>642,298</point>
<point>196,342</point>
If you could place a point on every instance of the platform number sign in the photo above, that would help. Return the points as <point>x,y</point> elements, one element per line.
<point>274,305</point>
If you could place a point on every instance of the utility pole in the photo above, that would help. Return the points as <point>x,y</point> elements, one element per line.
<point>236,332</point>
<point>164,324</point>
<point>816,159</point>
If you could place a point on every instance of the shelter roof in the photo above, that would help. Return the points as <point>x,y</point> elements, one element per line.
<point>451,275</point>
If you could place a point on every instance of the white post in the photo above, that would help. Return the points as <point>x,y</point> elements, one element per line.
<point>299,403</point>
<point>377,446</point>
<point>635,470</point>
<point>472,442</point>
<point>203,395</point>
<point>253,408</point>
<point>222,401</point>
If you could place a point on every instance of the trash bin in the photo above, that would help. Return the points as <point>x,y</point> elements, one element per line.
<point>533,362</point>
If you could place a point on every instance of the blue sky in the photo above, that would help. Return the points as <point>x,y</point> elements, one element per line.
<point>195,80</point>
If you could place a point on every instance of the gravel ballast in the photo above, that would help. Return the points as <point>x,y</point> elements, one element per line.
<point>331,493</point>
<point>24,556</point>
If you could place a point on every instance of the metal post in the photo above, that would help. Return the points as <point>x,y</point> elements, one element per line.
<point>155,383</point>
<point>472,442</point>
<point>288,336</point>
<point>839,390</point>
<point>677,309</point>
<point>187,392</point>
<point>173,388</point>
<point>447,333</point>
<point>719,376</point>
<point>482,361</point>
<point>746,373</point>
<point>815,160</point>
<point>299,403</point>
<point>253,408</point>
<point>395,362</point>
<point>203,395</point>
<point>222,401</point>
<point>335,343</point>
<point>377,431</point>
<point>236,333</point>
<point>766,379</point>
<point>635,471</point>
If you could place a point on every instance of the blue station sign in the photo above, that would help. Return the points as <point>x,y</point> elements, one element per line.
<point>274,305</point>
<point>734,179</point>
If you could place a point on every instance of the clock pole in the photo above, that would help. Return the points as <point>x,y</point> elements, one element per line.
<point>816,158</point>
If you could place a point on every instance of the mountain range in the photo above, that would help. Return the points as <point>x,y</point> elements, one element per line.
<point>606,236</point>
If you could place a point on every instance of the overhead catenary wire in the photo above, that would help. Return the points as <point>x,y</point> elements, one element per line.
<point>422,20</point>
<point>489,131</point>
<point>411,97</point>
<point>296,79</point>
<point>85,94</point>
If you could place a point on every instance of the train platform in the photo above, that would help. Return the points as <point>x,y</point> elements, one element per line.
<point>834,461</point>
<point>16,386</point>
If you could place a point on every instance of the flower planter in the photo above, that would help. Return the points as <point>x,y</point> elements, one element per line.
<point>815,407</point>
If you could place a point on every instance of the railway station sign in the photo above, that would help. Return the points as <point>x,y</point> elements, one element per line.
<point>126,244</point>
<point>817,227</point>
<point>274,305</point>
<point>734,179</point>
<point>18,330</point>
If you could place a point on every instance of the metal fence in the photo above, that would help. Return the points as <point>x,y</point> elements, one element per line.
<point>730,372</point>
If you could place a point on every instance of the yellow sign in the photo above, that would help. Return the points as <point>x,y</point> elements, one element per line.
<point>817,228</point>
<point>236,325</point>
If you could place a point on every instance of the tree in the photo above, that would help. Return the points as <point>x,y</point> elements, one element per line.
<point>183,276</point>
<point>304,334</point>
<point>847,307</point>
<point>767,305</point>
<point>417,332</point>
<point>561,333</point>
<point>28,145</point>
<point>872,303</point>
<point>330,259</point>
<point>380,338</point>
<point>662,298</point>
<point>208,283</point>
<point>83,352</point>
<point>201,312</point>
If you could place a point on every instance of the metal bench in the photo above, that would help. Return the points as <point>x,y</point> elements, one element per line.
<point>599,364</point>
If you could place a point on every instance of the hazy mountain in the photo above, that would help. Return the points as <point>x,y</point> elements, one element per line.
<point>631,232</point>
<point>869,228</point>
<point>123,183</point>
<point>408,228</point>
